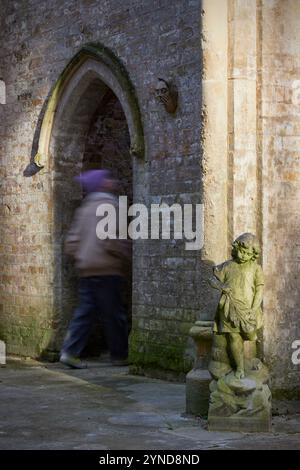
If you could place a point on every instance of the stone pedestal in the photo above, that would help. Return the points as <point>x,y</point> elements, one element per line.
<point>198,379</point>
<point>238,404</point>
<point>2,353</point>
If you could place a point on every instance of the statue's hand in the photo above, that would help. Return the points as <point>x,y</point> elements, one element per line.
<point>214,283</point>
<point>226,290</point>
<point>252,313</point>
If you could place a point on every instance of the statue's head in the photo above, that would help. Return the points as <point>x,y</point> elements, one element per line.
<point>245,248</point>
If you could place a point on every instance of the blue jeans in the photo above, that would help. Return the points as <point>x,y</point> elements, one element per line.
<point>101,294</point>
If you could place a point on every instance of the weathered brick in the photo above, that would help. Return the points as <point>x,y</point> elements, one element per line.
<point>152,39</point>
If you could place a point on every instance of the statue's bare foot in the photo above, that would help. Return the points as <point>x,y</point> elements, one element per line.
<point>240,374</point>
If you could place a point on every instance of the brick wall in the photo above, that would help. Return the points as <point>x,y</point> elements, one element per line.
<point>108,143</point>
<point>153,39</point>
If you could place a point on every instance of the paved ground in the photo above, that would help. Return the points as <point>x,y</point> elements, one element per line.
<point>46,406</point>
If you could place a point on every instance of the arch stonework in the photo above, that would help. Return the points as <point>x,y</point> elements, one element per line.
<point>73,102</point>
<point>92,61</point>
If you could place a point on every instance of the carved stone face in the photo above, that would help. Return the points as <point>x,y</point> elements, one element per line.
<point>162,91</point>
<point>243,254</point>
<point>245,248</point>
<point>166,96</point>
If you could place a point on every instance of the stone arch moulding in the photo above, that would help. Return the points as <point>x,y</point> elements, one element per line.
<point>98,61</point>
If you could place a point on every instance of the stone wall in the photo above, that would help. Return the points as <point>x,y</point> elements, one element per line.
<point>156,38</point>
<point>108,143</point>
<point>280,113</point>
<point>250,137</point>
<point>251,146</point>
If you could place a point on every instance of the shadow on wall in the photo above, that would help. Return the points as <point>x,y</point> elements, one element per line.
<point>174,356</point>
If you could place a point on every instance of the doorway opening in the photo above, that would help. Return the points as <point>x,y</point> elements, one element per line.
<point>91,121</point>
<point>90,132</point>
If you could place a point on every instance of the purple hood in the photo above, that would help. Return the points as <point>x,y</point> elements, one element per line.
<point>92,180</point>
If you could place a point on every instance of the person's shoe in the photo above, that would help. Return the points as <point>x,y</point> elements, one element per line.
<point>120,362</point>
<point>71,361</point>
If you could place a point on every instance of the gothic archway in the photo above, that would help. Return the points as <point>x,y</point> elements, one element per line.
<point>93,90</point>
<point>91,59</point>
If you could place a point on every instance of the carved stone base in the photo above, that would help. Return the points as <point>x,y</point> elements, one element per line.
<point>2,353</point>
<point>198,379</point>
<point>197,392</point>
<point>241,404</point>
<point>238,404</point>
<point>240,424</point>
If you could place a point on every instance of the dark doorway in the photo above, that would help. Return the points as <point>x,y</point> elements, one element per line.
<point>90,131</point>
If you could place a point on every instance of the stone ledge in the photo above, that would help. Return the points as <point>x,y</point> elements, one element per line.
<point>241,424</point>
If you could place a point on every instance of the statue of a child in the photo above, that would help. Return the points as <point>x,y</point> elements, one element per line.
<point>239,314</point>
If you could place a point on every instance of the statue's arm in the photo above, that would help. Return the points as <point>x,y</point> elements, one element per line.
<point>218,279</point>
<point>215,283</point>
<point>258,297</point>
<point>259,288</point>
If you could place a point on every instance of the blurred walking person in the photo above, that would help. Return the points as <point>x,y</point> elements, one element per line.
<point>102,265</point>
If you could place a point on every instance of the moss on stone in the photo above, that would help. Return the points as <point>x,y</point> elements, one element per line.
<point>286,394</point>
<point>27,339</point>
<point>150,350</point>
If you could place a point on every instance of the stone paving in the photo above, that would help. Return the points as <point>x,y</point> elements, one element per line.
<point>47,406</point>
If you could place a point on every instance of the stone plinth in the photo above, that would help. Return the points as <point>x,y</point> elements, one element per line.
<point>2,353</point>
<point>239,404</point>
<point>198,379</point>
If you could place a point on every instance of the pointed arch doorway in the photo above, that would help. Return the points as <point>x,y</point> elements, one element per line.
<point>92,120</point>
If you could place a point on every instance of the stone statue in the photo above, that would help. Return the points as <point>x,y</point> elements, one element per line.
<point>240,396</point>
<point>240,281</point>
<point>167,95</point>
<point>2,353</point>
